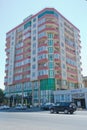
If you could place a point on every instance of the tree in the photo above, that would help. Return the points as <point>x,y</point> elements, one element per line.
<point>1,96</point>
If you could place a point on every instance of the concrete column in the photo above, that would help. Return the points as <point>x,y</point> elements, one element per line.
<point>9,101</point>
<point>32,94</point>
<point>39,93</point>
<point>22,100</point>
<point>9,96</point>
<point>13,101</point>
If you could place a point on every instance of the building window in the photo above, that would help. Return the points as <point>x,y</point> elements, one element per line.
<point>19,51</point>
<point>62,51</point>
<point>63,58</point>
<point>62,97</point>
<point>34,38</point>
<point>19,57</point>
<point>34,25</point>
<point>33,74</point>
<point>41,28</point>
<point>50,42</point>
<point>58,82</point>
<point>67,97</point>
<point>51,65</point>
<point>41,21</point>
<point>12,38</point>
<point>62,44</point>
<point>34,59</point>
<point>33,66</point>
<point>51,73</point>
<point>42,34</point>
<point>34,45</point>
<point>64,82</point>
<point>64,74</point>
<point>34,32</point>
<point>12,43</point>
<point>63,65</point>
<point>19,44</point>
<point>50,49</point>
<point>34,20</point>
<point>34,51</point>
<point>51,57</point>
<point>56,56</point>
<point>50,35</point>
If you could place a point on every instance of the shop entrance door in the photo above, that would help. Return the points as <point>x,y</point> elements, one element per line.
<point>80,103</point>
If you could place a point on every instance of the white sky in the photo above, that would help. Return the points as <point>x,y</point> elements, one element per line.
<point>12,13</point>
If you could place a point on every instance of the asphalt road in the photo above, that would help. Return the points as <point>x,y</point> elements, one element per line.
<point>43,121</point>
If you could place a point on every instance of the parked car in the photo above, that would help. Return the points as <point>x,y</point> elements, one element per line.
<point>4,107</point>
<point>20,107</point>
<point>46,106</point>
<point>66,107</point>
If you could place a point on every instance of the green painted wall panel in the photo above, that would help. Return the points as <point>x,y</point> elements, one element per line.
<point>47,84</point>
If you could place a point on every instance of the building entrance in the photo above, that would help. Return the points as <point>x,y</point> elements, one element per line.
<point>80,103</point>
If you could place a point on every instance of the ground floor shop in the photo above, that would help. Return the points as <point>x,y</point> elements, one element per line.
<point>33,93</point>
<point>79,96</point>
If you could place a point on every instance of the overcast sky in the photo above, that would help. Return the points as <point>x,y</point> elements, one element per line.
<point>12,13</point>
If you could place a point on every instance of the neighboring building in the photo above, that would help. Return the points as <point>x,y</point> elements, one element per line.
<point>85,81</point>
<point>43,55</point>
<point>79,96</point>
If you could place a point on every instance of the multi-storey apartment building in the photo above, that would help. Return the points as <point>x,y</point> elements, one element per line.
<point>43,55</point>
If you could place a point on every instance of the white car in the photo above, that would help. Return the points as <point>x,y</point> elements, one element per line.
<point>4,107</point>
<point>20,107</point>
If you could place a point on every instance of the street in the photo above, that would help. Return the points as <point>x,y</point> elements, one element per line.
<point>43,120</point>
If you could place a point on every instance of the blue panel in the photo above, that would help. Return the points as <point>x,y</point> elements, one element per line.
<point>27,24</point>
<point>48,12</point>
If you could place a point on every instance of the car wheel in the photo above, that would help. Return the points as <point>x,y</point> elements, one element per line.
<point>66,111</point>
<point>51,110</point>
<point>57,112</point>
<point>71,112</point>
